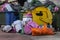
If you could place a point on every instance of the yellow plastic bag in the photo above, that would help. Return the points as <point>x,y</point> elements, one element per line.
<point>42,14</point>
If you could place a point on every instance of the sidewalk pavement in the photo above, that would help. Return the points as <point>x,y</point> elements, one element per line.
<point>17,36</point>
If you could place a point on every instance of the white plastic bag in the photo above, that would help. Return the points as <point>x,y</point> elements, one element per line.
<point>18,25</point>
<point>42,1</point>
<point>29,1</point>
<point>7,28</point>
<point>8,7</point>
<point>26,19</point>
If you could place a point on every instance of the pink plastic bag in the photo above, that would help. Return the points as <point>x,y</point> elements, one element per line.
<point>13,30</point>
<point>28,26</point>
<point>29,15</point>
<point>27,29</point>
<point>2,8</point>
<point>33,24</point>
<point>56,9</point>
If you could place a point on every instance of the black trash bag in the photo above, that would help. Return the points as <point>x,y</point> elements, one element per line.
<point>49,3</point>
<point>36,3</point>
<point>21,2</point>
<point>16,7</point>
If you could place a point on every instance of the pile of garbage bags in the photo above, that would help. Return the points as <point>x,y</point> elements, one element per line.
<point>30,28</point>
<point>28,25</point>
